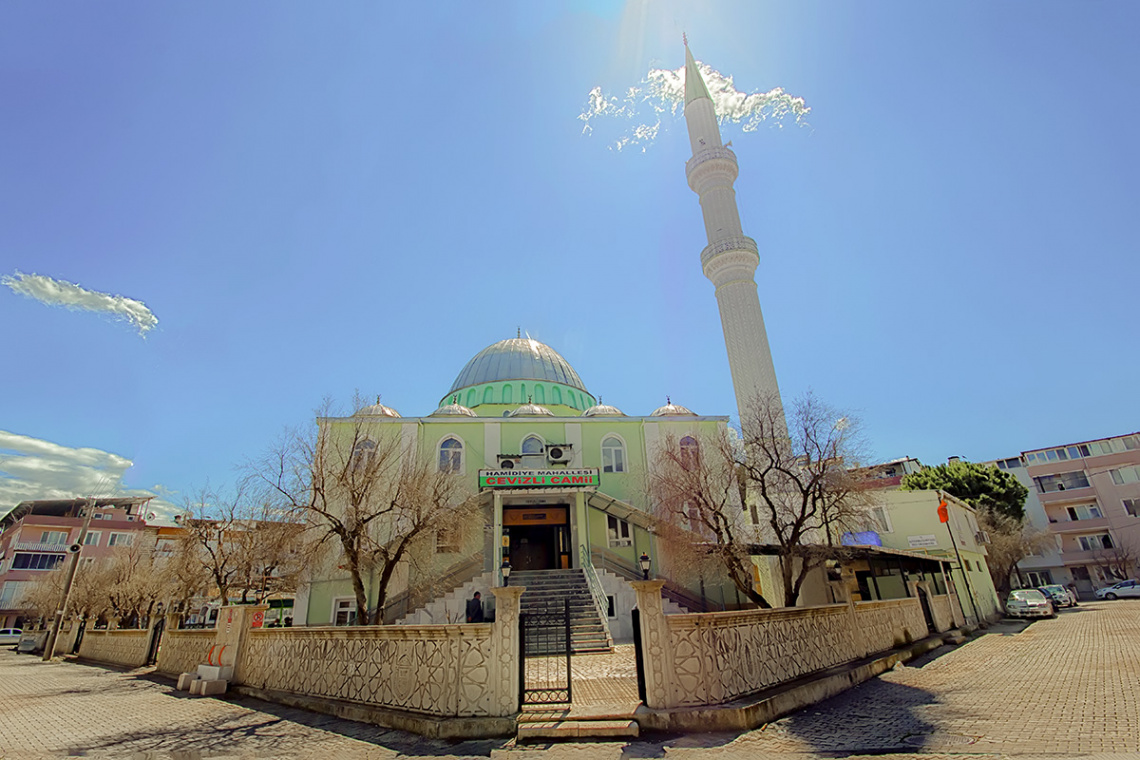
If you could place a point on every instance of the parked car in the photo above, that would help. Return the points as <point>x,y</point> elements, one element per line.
<point>1059,595</point>
<point>10,636</point>
<point>1028,603</point>
<point>1120,590</point>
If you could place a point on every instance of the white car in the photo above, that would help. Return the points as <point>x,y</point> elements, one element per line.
<point>10,636</point>
<point>1028,603</point>
<point>1120,590</point>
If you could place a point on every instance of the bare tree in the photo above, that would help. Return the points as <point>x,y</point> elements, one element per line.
<point>1011,540</point>
<point>789,479</point>
<point>365,494</point>
<point>1118,561</point>
<point>695,492</point>
<point>239,543</point>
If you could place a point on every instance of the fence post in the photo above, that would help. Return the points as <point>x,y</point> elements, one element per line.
<point>655,643</point>
<point>505,654</point>
<point>234,623</point>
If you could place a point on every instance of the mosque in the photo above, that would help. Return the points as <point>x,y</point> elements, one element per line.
<point>559,475</point>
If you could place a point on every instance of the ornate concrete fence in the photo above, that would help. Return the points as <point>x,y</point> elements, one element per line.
<point>183,650</point>
<point>116,647</point>
<point>716,657</point>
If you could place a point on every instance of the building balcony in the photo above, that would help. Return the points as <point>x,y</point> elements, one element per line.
<point>1080,557</point>
<point>36,546</point>
<point>1079,526</point>
<point>1068,495</point>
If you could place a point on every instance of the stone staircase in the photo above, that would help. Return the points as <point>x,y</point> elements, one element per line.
<point>546,589</point>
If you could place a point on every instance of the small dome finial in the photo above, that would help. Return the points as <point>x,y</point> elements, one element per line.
<point>518,331</point>
<point>377,398</point>
<point>529,400</point>
<point>668,401</point>
<point>685,39</point>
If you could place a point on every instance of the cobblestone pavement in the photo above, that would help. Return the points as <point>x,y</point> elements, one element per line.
<point>1068,687</point>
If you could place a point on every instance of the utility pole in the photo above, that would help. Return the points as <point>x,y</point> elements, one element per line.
<point>75,549</point>
<point>961,567</point>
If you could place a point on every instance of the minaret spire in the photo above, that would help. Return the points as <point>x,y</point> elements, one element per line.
<point>730,258</point>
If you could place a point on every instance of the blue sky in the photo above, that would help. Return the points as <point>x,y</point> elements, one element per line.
<point>315,199</point>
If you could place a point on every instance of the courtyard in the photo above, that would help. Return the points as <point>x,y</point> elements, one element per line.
<point>1068,687</point>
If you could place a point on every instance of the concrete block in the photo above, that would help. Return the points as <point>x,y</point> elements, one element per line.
<point>185,679</point>
<point>196,686</point>
<point>210,688</point>
<point>216,672</point>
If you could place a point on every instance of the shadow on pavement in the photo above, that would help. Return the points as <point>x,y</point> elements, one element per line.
<point>874,717</point>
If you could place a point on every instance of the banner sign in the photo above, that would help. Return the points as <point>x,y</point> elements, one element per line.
<point>585,478</point>
<point>928,541</point>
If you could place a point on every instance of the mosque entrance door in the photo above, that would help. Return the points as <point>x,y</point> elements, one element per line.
<point>538,538</point>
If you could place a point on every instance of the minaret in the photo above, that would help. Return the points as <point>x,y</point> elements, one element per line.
<point>730,259</point>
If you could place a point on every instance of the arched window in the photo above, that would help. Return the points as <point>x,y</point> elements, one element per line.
<point>471,397</point>
<point>573,402</point>
<point>533,451</point>
<point>556,395</point>
<point>522,393</point>
<point>539,394</point>
<point>613,454</point>
<point>690,452</point>
<point>488,395</point>
<point>362,454</point>
<point>507,395</point>
<point>451,455</point>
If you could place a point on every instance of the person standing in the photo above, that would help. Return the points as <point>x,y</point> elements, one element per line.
<point>475,609</point>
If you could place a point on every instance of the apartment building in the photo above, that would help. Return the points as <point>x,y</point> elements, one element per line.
<point>1087,495</point>
<point>35,536</point>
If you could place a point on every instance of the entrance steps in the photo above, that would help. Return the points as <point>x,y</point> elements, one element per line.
<point>544,724</point>
<point>546,590</point>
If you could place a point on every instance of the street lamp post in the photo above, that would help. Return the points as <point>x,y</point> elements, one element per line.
<point>644,561</point>
<point>505,568</point>
<point>74,549</point>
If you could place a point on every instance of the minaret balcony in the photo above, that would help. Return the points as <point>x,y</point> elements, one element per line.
<point>742,243</point>
<point>721,159</point>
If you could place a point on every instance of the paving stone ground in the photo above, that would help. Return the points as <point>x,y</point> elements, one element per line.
<point>1068,687</point>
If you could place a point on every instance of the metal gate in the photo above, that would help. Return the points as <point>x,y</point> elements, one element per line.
<point>544,648</point>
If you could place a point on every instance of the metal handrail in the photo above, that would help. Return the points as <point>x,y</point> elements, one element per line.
<point>671,591</point>
<point>601,600</point>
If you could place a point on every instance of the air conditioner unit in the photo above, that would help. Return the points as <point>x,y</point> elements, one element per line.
<point>559,453</point>
<point>982,537</point>
<point>509,461</point>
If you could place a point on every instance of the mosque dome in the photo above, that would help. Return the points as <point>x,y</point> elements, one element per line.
<point>531,410</point>
<point>376,410</point>
<point>603,410</point>
<point>672,410</point>
<point>517,359</point>
<point>453,409</point>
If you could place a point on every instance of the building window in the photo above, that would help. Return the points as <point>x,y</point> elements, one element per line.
<point>11,593</point>
<point>878,520</point>
<point>1084,512</point>
<point>533,451</point>
<point>1064,481</point>
<point>120,539</point>
<point>362,454</point>
<point>618,532</point>
<point>969,567</point>
<point>613,455</point>
<point>555,395</point>
<point>451,455</point>
<point>344,612</point>
<point>447,540</point>
<point>56,537</point>
<point>1125,475</point>
<point>488,395</point>
<point>539,394</point>
<point>508,395</point>
<point>36,561</point>
<point>690,452</point>
<point>1132,507</point>
<point>92,538</point>
<point>1096,542</point>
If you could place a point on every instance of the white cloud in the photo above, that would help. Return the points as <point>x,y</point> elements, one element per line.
<point>68,294</point>
<point>32,468</point>
<point>640,112</point>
